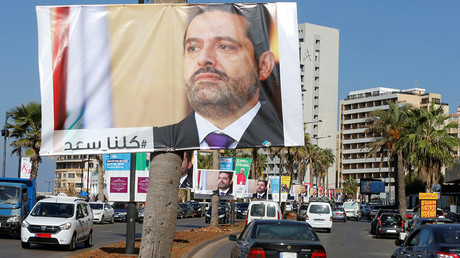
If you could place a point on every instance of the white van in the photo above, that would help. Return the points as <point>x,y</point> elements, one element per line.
<point>263,210</point>
<point>352,209</point>
<point>319,215</point>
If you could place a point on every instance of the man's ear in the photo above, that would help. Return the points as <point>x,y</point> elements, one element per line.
<point>266,64</point>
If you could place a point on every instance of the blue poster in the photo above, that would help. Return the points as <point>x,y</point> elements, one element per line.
<point>275,184</point>
<point>119,161</point>
<point>226,164</point>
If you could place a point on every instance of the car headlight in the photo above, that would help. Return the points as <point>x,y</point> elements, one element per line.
<point>221,216</point>
<point>207,215</point>
<point>25,224</point>
<point>65,226</point>
<point>13,219</point>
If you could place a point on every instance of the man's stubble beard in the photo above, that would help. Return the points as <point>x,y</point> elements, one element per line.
<point>217,100</point>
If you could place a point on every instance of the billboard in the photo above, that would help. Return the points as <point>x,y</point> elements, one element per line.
<point>372,186</point>
<point>134,78</point>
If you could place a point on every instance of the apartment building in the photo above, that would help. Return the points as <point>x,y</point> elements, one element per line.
<point>455,118</point>
<point>71,170</point>
<point>354,114</point>
<point>319,68</point>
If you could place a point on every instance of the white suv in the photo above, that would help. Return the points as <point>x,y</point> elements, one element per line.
<point>263,210</point>
<point>62,221</point>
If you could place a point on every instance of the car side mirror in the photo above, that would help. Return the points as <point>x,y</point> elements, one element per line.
<point>399,242</point>
<point>232,238</point>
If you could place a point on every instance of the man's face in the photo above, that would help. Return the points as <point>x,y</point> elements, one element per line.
<point>220,71</point>
<point>260,187</point>
<point>224,181</point>
<point>303,189</point>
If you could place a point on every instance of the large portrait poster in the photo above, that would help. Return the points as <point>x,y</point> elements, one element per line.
<point>212,182</point>
<point>168,77</point>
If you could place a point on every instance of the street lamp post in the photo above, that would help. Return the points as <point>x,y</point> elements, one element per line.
<point>5,134</point>
<point>49,182</point>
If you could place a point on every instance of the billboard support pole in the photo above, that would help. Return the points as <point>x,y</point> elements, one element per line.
<point>131,216</point>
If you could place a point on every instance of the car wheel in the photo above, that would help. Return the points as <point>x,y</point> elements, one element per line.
<point>25,245</point>
<point>345,220</point>
<point>102,220</point>
<point>113,220</point>
<point>71,246</point>
<point>89,241</point>
<point>328,230</point>
<point>377,235</point>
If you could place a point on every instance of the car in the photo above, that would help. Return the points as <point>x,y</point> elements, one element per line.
<point>206,205</point>
<point>352,209</point>
<point>121,211</point>
<point>260,210</point>
<point>187,209</point>
<point>102,212</point>
<point>140,216</point>
<point>222,214</point>
<point>180,213</point>
<point>241,209</point>
<point>409,213</point>
<point>416,223</point>
<point>338,213</point>
<point>63,221</point>
<point>199,210</point>
<point>452,216</point>
<point>365,210</point>
<point>389,224</point>
<point>302,211</point>
<point>277,238</point>
<point>433,240</point>
<point>289,207</point>
<point>376,218</point>
<point>319,215</point>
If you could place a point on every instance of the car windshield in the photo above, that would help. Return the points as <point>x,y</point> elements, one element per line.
<point>349,205</point>
<point>391,218</point>
<point>281,231</point>
<point>9,194</point>
<point>449,235</point>
<point>318,208</point>
<point>242,205</point>
<point>337,209</point>
<point>58,210</point>
<point>96,206</point>
<point>120,206</point>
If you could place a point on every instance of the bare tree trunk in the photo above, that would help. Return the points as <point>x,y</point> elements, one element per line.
<point>161,205</point>
<point>100,178</point>
<point>401,187</point>
<point>215,198</point>
<point>254,164</point>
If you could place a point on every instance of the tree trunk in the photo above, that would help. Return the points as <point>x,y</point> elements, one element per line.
<point>254,164</point>
<point>161,205</point>
<point>401,187</point>
<point>100,175</point>
<point>215,198</point>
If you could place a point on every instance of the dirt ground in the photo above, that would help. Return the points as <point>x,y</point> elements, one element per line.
<point>184,242</point>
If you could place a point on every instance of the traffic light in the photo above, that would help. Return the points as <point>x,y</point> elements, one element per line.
<point>5,132</point>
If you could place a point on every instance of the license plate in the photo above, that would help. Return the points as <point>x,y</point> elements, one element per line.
<point>391,230</point>
<point>319,219</point>
<point>43,235</point>
<point>288,255</point>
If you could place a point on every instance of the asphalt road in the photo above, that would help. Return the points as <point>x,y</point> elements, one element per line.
<point>347,239</point>
<point>104,235</point>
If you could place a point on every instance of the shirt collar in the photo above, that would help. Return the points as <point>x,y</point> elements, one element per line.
<point>234,130</point>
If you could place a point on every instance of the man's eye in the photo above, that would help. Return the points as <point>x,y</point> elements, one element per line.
<point>192,48</point>
<point>226,47</point>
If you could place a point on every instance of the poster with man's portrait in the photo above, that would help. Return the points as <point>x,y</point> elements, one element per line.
<point>214,182</point>
<point>169,77</point>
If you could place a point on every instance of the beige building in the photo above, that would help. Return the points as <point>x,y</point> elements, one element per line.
<point>455,118</point>
<point>69,171</point>
<point>354,113</point>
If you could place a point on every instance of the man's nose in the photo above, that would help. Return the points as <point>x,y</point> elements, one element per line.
<point>207,57</point>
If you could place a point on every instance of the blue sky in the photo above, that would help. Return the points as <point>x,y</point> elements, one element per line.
<point>391,43</point>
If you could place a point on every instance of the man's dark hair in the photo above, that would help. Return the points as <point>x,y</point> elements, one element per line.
<point>265,182</point>
<point>188,155</point>
<point>230,174</point>
<point>258,20</point>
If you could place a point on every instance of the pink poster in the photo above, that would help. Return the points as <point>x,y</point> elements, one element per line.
<point>320,191</point>
<point>119,184</point>
<point>142,184</point>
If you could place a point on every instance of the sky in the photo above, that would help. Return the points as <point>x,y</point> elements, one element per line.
<point>391,43</point>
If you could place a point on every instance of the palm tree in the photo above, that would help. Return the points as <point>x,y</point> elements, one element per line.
<point>430,145</point>
<point>349,185</point>
<point>26,129</point>
<point>325,159</point>
<point>387,126</point>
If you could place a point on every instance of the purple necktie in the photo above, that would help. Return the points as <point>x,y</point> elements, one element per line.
<point>218,141</point>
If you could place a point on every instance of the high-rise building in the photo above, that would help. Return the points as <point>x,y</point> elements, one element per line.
<point>354,114</point>
<point>71,172</point>
<point>455,118</point>
<point>319,69</point>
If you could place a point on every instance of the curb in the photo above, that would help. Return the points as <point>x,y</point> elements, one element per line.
<point>205,243</point>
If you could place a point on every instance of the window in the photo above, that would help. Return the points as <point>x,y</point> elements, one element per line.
<point>71,175</point>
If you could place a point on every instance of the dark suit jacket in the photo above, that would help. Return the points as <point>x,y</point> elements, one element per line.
<point>229,192</point>
<point>266,126</point>
<point>264,197</point>
<point>188,182</point>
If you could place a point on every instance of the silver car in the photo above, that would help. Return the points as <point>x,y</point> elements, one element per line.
<point>338,213</point>
<point>102,212</point>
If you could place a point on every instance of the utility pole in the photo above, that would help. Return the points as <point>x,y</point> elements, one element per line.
<point>5,134</point>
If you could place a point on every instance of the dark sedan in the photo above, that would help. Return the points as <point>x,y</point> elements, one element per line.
<point>242,210</point>
<point>389,224</point>
<point>277,238</point>
<point>431,241</point>
<point>187,209</point>
<point>375,220</point>
<point>222,213</point>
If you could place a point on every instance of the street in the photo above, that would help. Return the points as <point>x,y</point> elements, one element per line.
<point>105,234</point>
<point>349,239</point>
